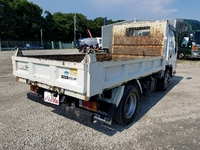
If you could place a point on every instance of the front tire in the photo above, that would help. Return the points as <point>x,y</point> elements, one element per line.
<point>181,55</point>
<point>164,81</point>
<point>125,112</point>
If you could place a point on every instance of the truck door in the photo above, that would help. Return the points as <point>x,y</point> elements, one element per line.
<point>184,45</point>
<point>172,50</point>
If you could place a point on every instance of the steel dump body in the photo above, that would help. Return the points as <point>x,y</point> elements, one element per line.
<point>83,76</point>
<point>82,80</point>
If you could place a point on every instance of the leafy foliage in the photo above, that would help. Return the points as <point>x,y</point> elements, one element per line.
<point>23,20</point>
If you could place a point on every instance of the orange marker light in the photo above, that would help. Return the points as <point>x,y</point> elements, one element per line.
<point>193,47</point>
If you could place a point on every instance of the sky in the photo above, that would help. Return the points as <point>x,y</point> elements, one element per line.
<point>125,9</point>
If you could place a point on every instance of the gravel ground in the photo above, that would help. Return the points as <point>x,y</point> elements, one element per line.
<point>165,120</point>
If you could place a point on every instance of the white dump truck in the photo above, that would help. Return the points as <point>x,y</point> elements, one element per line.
<point>103,86</point>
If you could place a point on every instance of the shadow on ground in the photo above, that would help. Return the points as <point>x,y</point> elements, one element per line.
<point>143,107</point>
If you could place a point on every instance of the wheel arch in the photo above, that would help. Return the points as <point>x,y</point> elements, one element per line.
<point>136,83</point>
<point>118,92</point>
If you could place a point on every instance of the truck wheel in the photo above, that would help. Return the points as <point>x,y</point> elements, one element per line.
<point>181,55</point>
<point>125,112</point>
<point>163,82</point>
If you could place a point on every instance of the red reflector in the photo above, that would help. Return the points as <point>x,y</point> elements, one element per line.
<point>87,104</point>
<point>33,88</point>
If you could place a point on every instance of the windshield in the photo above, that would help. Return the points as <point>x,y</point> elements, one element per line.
<point>197,37</point>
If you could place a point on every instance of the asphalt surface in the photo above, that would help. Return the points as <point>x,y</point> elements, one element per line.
<point>165,120</point>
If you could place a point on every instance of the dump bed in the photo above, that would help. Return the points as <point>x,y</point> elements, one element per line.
<point>132,56</point>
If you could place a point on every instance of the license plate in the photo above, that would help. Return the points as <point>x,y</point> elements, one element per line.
<point>49,98</point>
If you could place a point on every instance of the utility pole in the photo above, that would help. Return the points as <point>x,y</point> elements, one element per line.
<point>41,37</point>
<point>75,29</point>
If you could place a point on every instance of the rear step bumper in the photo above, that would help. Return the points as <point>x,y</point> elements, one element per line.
<point>72,111</point>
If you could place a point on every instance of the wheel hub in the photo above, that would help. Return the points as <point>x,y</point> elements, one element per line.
<point>130,105</point>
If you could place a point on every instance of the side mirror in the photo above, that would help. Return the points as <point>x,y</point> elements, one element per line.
<point>191,37</point>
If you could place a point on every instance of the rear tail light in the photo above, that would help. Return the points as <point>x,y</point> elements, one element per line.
<point>90,105</point>
<point>33,88</point>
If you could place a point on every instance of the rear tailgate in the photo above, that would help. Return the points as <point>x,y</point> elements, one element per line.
<point>68,77</point>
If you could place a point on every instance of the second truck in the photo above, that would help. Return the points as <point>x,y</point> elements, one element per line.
<point>105,86</point>
<point>188,37</point>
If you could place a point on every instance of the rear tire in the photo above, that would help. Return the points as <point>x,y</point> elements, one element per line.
<point>125,112</point>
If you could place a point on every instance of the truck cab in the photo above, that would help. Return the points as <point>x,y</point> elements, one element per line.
<point>189,44</point>
<point>99,41</point>
<point>85,43</point>
<point>188,37</point>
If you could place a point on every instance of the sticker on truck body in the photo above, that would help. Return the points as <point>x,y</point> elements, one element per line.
<point>70,74</point>
<point>22,66</point>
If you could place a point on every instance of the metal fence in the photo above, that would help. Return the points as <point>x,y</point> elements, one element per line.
<point>31,45</point>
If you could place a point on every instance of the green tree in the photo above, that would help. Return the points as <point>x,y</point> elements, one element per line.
<point>22,20</point>
<point>6,27</point>
<point>81,25</point>
<point>28,20</point>
<point>98,23</point>
<point>63,26</point>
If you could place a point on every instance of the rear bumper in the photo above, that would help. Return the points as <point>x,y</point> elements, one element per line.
<point>71,110</point>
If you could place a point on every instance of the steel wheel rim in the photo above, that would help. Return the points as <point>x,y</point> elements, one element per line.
<point>181,55</point>
<point>130,105</point>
